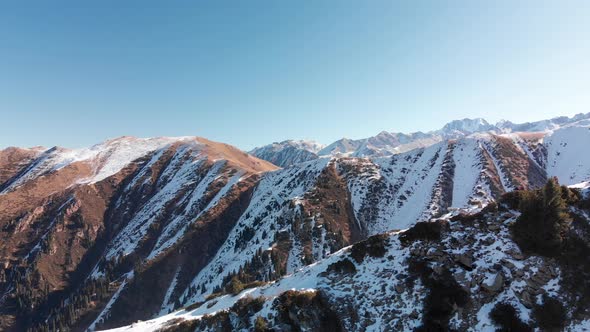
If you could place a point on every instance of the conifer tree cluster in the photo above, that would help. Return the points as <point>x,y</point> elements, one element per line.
<point>544,220</point>
<point>65,316</point>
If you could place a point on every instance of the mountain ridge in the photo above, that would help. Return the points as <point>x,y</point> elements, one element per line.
<point>389,143</point>
<point>84,236</point>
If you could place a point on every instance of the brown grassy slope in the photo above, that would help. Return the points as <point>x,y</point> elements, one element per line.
<point>236,157</point>
<point>13,160</point>
<point>522,171</point>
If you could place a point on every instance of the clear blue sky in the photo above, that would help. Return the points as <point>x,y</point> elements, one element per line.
<point>253,72</point>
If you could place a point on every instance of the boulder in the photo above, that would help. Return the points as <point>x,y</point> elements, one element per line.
<point>516,254</point>
<point>494,285</point>
<point>465,260</point>
<point>526,299</point>
<point>494,227</point>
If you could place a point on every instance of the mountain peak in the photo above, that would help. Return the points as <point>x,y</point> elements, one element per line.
<point>113,155</point>
<point>467,126</point>
<point>288,152</point>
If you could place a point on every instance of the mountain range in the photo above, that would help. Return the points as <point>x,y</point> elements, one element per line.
<point>290,152</point>
<point>188,234</point>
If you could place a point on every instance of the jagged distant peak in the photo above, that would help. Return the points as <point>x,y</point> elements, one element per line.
<point>308,145</point>
<point>504,123</point>
<point>467,126</point>
<point>387,143</point>
<point>288,152</point>
<point>342,147</point>
<point>546,125</point>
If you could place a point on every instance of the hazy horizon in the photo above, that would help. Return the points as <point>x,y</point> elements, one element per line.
<point>271,142</point>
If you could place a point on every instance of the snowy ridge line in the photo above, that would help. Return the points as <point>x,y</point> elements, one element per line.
<point>415,172</point>
<point>284,219</point>
<point>404,187</point>
<point>107,158</point>
<point>390,143</point>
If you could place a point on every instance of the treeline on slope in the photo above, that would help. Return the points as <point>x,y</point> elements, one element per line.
<point>76,306</point>
<point>264,266</point>
<point>256,272</point>
<point>551,225</point>
<point>37,307</point>
<point>78,310</point>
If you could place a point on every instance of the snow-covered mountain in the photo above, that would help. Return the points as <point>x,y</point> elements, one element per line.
<point>387,143</point>
<point>544,125</point>
<point>289,152</point>
<point>133,229</point>
<point>384,144</point>
<point>466,126</point>
<point>64,211</point>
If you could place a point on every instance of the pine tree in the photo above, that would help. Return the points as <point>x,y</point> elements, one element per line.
<point>544,221</point>
<point>557,219</point>
<point>235,286</point>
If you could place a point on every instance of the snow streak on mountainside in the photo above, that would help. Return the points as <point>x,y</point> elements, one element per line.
<point>567,154</point>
